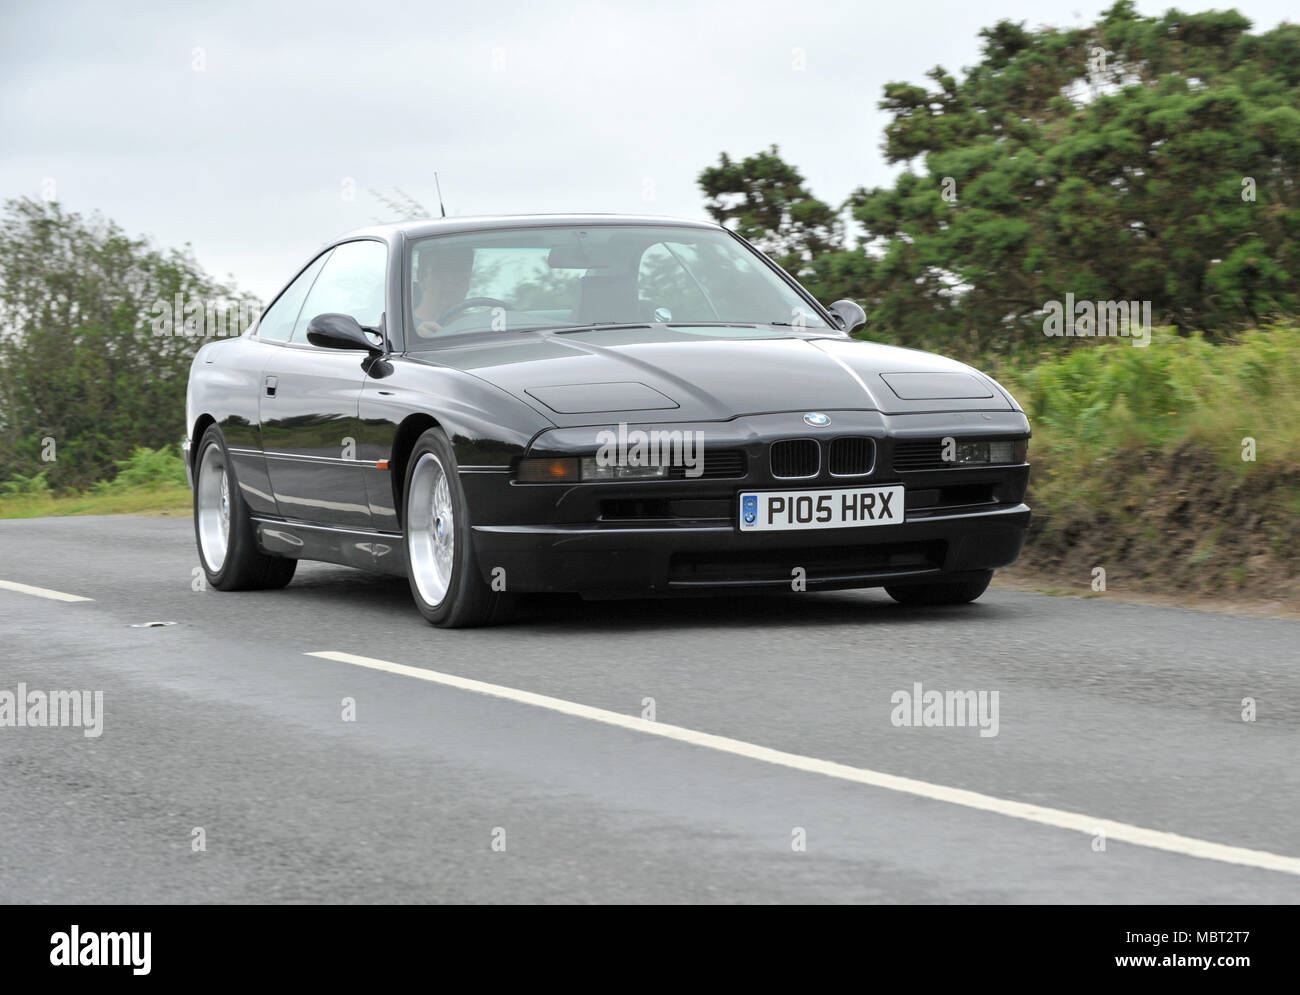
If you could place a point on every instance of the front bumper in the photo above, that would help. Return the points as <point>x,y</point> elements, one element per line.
<point>189,467</point>
<point>595,538</point>
<point>619,561</point>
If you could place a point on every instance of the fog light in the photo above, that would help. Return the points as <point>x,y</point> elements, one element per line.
<point>594,470</point>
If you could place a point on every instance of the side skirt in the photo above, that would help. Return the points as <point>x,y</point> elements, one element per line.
<point>380,552</point>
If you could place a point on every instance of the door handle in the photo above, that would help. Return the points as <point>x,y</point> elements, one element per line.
<point>271,383</point>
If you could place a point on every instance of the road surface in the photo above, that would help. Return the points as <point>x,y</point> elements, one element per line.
<point>518,764</point>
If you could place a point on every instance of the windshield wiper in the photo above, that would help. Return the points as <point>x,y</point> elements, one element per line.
<point>592,326</point>
<point>602,326</point>
<point>805,327</point>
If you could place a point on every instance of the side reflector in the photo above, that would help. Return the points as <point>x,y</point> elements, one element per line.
<point>381,464</point>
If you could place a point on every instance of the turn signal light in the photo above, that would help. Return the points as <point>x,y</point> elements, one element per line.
<point>547,471</point>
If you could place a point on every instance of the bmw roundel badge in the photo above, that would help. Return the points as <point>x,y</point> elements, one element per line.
<point>817,418</point>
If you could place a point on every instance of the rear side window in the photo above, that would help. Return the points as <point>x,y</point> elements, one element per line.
<point>351,283</point>
<point>276,324</point>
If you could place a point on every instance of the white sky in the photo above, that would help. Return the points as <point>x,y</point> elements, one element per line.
<point>521,107</point>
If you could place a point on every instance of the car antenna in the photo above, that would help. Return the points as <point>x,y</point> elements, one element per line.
<point>439,185</point>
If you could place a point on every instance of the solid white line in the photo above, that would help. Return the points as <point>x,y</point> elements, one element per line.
<point>1058,818</point>
<point>40,592</point>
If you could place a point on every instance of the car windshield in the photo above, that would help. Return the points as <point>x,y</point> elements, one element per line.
<point>562,277</point>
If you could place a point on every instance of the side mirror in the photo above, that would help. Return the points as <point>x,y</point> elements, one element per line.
<point>339,331</point>
<point>848,314</point>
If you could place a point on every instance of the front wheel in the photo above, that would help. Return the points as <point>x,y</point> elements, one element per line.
<point>948,592</point>
<point>446,583</point>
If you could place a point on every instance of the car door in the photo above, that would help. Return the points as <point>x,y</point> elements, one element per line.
<point>241,366</point>
<point>310,394</point>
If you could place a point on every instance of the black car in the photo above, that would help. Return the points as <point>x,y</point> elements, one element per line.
<point>614,406</point>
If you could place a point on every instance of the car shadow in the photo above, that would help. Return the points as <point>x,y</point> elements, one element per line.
<point>776,610</point>
<point>391,597</point>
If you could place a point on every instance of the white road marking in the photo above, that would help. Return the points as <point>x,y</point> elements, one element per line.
<point>40,592</point>
<point>1187,846</point>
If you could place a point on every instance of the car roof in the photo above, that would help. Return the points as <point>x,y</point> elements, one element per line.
<point>421,228</point>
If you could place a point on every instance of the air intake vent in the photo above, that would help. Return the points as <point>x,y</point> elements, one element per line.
<point>717,464</point>
<point>920,454</point>
<point>852,457</point>
<point>796,458</point>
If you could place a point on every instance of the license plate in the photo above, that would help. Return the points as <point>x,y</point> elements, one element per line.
<point>841,508</point>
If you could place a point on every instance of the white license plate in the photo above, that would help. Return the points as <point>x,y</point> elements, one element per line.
<point>841,508</point>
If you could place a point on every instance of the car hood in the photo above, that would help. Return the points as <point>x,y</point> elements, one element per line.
<point>667,374</point>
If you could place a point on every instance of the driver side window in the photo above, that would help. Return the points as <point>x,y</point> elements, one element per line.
<point>351,283</point>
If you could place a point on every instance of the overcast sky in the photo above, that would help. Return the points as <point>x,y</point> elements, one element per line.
<point>241,128</point>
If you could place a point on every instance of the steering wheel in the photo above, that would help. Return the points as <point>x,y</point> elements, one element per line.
<point>456,309</point>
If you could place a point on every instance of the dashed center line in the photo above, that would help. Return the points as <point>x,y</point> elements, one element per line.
<point>1187,846</point>
<point>40,592</point>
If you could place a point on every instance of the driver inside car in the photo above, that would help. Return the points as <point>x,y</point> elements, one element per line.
<point>441,282</point>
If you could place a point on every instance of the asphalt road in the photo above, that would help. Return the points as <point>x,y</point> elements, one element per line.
<point>221,722</point>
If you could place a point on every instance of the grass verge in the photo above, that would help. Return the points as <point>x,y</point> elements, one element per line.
<point>150,482</point>
<point>1173,467</point>
<point>169,500</point>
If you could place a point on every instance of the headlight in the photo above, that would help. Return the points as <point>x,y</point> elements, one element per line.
<point>992,452</point>
<point>594,470</point>
<point>970,453</point>
<point>571,469</point>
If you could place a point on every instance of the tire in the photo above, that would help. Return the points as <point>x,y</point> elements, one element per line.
<point>446,583</point>
<point>223,528</point>
<point>948,592</point>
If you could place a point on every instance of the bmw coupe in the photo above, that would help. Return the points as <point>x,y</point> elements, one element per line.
<point>612,406</point>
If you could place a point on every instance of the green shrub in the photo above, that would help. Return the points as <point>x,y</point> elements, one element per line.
<point>1107,397</point>
<point>161,467</point>
<point>34,486</point>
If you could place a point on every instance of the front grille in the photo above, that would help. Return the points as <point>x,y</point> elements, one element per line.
<point>920,454</point>
<point>852,457</point>
<point>796,458</point>
<point>716,463</point>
